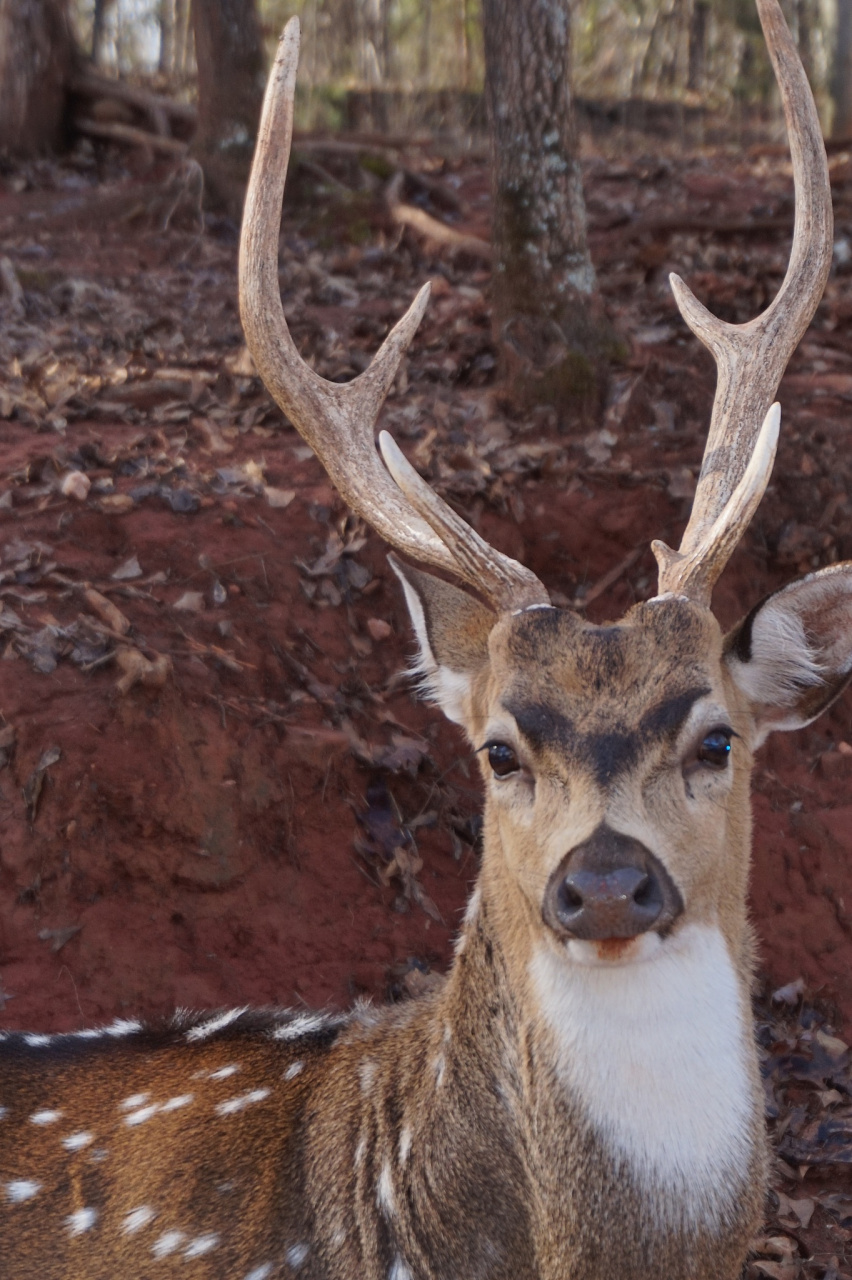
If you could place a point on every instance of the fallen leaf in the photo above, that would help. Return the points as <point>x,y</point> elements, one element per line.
<point>32,788</point>
<point>128,570</point>
<point>139,670</point>
<point>190,602</point>
<point>106,611</point>
<point>279,498</point>
<point>75,484</point>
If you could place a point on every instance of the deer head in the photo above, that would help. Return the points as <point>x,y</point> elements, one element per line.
<point>616,758</point>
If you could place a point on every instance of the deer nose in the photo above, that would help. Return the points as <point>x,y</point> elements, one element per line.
<point>611,886</point>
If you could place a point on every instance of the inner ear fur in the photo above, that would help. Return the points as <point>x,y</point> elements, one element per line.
<point>452,632</point>
<point>792,654</point>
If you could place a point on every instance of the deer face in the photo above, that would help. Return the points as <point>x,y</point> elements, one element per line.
<point>616,759</point>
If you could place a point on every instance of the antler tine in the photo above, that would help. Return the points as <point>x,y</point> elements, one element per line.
<point>338,420</point>
<point>751,358</point>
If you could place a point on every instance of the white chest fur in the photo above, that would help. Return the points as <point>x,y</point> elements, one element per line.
<point>656,1054</point>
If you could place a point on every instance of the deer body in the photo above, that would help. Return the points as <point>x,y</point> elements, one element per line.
<point>580,1099</point>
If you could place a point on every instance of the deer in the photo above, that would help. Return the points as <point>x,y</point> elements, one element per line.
<point>579,1098</point>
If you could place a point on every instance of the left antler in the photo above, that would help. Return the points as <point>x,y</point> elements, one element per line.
<point>338,420</point>
<point>751,358</point>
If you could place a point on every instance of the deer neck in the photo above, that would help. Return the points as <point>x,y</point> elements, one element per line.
<point>642,1076</point>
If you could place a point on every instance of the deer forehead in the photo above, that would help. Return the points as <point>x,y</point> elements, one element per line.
<point>602,694</point>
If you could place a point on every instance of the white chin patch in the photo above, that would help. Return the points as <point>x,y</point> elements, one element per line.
<point>657,1056</point>
<point>615,951</point>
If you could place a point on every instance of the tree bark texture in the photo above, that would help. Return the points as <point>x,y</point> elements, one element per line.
<point>36,60</point>
<point>841,80</point>
<point>552,336</point>
<point>231,77</point>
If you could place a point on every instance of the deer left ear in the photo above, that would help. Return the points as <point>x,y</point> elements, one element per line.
<point>792,655</point>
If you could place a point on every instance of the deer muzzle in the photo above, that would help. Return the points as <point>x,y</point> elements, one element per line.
<point>610,886</point>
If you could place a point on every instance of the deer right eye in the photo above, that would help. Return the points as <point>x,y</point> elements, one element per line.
<point>502,759</point>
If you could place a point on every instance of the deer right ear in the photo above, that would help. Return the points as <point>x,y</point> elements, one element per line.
<point>452,632</point>
<point>792,655</point>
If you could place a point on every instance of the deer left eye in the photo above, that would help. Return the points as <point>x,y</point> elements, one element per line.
<point>502,759</point>
<point>716,748</point>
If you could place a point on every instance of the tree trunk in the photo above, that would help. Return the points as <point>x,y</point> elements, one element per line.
<point>181,37</point>
<point>99,17</point>
<point>229,55</point>
<point>553,339</point>
<point>841,80</point>
<point>36,59</point>
<point>167,37</point>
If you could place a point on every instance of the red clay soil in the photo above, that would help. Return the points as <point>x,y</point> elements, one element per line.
<point>199,843</point>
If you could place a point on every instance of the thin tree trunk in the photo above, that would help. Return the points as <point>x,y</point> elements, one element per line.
<point>229,55</point>
<point>36,60</point>
<point>698,29</point>
<point>553,339</point>
<point>167,37</point>
<point>841,81</point>
<point>99,17</point>
<point>182,37</point>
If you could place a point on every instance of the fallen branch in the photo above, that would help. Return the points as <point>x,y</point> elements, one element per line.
<point>129,134</point>
<point>406,215</point>
<point>157,107</point>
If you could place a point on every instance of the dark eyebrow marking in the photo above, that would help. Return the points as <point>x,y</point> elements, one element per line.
<point>541,725</point>
<point>607,754</point>
<point>668,716</point>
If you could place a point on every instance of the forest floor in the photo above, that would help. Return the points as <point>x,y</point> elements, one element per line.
<point>216,786</point>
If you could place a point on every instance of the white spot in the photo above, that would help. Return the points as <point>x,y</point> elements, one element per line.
<point>200,1245</point>
<point>293,1070</point>
<point>657,1053</point>
<point>338,1239</point>
<point>261,1272</point>
<point>135,1100</point>
<point>36,1040</point>
<point>296,1255</point>
<point>360,1152</point>
<point>302,1025</point>
<point>81,1220</point>
<point>440,1066</point>
<point>398,1270</point>
<point>99,1154</point>
<point>384,1190</point>
<point>123,1027</point>
<point>76,1141</point>
<point>233,1105</point>
<point>22,1190</point>
<point>366,1074</point>
<point>4,1111</point>
<point>174,1104</point>
<point>139,1117</point>
<point>167,1243</point>
<point>45,1117</point>
<point>136,1219</point>
<point>89,1033</point>
<point>404,1145</point>
<point>209,1028</point>
<point>223,1072</point>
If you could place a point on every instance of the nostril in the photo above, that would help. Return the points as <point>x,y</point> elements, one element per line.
<point>645,894</point>
<point>570,899</point>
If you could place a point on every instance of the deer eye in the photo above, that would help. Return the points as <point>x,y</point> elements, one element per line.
<point>502,759</point>
<point>716,748</point>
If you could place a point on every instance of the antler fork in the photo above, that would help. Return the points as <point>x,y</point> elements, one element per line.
<point>751,358</point>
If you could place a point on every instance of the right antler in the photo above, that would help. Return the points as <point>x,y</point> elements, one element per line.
<point>338,420</point>
<point>751,357</point>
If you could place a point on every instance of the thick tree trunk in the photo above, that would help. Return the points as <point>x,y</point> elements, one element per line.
<point>841,80</point>
<point>229,55</point>
<point>553,339</point>
<point>36,58</point>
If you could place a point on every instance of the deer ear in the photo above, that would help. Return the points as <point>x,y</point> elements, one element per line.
<point>792,655</point>
<point>452,632</point>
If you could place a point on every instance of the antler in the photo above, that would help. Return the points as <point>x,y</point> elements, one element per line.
<point>751,358</point>
<point>338,420</point>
